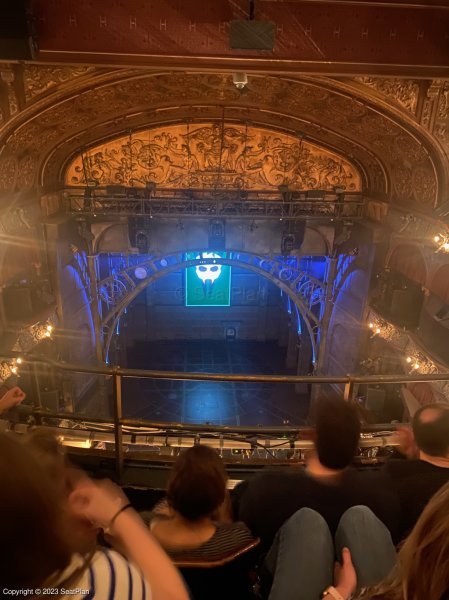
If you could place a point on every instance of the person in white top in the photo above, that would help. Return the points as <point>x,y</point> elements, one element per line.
<point>40,555</point>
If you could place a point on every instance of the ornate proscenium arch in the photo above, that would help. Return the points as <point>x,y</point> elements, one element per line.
<point>117,291</point>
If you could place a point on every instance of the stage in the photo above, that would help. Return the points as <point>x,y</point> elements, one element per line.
<point>212,402</point>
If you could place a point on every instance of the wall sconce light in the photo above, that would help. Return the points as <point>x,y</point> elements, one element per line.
<point>9,369</point>
<point>380,328</point>
<point>419,362</point>
<point>442,242</point>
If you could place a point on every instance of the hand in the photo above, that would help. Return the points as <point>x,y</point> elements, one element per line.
<point>12,398</point>
<point>406,440</point>
<point>345,577</point>
<point>97,501</point>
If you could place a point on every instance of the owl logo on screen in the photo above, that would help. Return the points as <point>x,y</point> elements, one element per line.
<point>208,273</point>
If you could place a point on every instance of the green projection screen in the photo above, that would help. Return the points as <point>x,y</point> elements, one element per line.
<point>208,284</point>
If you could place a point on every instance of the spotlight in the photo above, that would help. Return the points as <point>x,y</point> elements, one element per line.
<point>49,328</point>
<point>446,246</point>
<point>19,361</point>
<point>47,334</point>
<point>14,370</point>
<point>436,239</point>
<point>371,325</point>
<point>416,366</point>
<point>409,359</point>
<point>378,330</point>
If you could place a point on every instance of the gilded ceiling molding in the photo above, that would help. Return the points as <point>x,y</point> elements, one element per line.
<point>404,92</point>
<point>416,173</point>
<point>38,79</point>
<point>211,155</point>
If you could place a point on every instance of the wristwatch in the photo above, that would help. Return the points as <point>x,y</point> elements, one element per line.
<point>331,592</point>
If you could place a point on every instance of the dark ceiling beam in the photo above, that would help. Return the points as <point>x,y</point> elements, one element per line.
<point>330,37</point>
<point>259,66</point>
<point>440,4</point>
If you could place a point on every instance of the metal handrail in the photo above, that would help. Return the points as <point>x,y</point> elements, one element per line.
<point>119,422</point>
<point>188,376</point>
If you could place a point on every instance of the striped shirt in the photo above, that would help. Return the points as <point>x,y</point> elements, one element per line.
<point>108,576</point>
<point>227,539</point>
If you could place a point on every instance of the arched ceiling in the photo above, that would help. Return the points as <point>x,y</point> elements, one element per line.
<point>397,157</point>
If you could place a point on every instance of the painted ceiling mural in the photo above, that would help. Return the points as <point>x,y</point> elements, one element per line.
<point>394,132</point>
<point>209,155</point>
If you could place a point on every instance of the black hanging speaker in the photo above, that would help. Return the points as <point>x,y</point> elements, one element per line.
<point>252,35</point>
<point>406,305</point>
<point>217,234</point>
<point>292,240</point>
<point>18,303</point>
<point>139,233</point>
<point>17,41</point>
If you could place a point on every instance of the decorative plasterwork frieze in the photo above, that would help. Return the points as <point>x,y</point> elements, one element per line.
<point>38,79</point>
<point>404,92</point>
<point>213,155</point>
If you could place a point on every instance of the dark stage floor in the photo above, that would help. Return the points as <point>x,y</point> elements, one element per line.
<point>212,402</point>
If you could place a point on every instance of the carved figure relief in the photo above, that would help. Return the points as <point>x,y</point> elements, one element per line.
<point>404,91</point>
<point>216,154</point>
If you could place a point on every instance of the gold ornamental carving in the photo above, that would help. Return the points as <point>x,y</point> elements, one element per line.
<point>211,155</point>
<point>403,91</point>
<point>327,112</point>
<point>38,79</point>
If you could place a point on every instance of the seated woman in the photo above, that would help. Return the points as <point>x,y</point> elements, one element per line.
<point>37,529</point>
<point>192,528</point>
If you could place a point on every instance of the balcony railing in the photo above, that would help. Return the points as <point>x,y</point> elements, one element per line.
<point>125,437</point>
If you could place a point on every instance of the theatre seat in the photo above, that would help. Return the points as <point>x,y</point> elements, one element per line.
<point>222,579</point>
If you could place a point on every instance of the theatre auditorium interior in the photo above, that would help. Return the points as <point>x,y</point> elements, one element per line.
<point>224,227</point>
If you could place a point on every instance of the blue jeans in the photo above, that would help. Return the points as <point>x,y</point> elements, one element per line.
<point>303,553</point>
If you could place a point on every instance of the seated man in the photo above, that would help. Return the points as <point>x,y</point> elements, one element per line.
<point>327,485</point>
<point>427,470</point>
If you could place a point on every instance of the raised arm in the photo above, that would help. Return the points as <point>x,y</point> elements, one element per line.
<point>102,503</point>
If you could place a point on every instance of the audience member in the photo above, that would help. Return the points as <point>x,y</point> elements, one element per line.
<point>422,568</point>
<point>302,556</point>
<point>327,485</point>
<point>195,496</point>
<point>36,533</point>
<point>417,479</point>
<point>50,454</point>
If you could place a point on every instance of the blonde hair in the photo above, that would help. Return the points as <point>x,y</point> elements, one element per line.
<point>422,570</point>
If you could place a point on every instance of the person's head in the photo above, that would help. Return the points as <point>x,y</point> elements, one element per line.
<point>50,454</point>
<point>32,523</point>
<point>197,485</point>
<point>337,432</point>
<point>431,429</point>
<point>422,569</point>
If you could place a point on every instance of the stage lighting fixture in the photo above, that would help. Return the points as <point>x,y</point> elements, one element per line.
<point>285,192</point>
<point>140,273</point>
